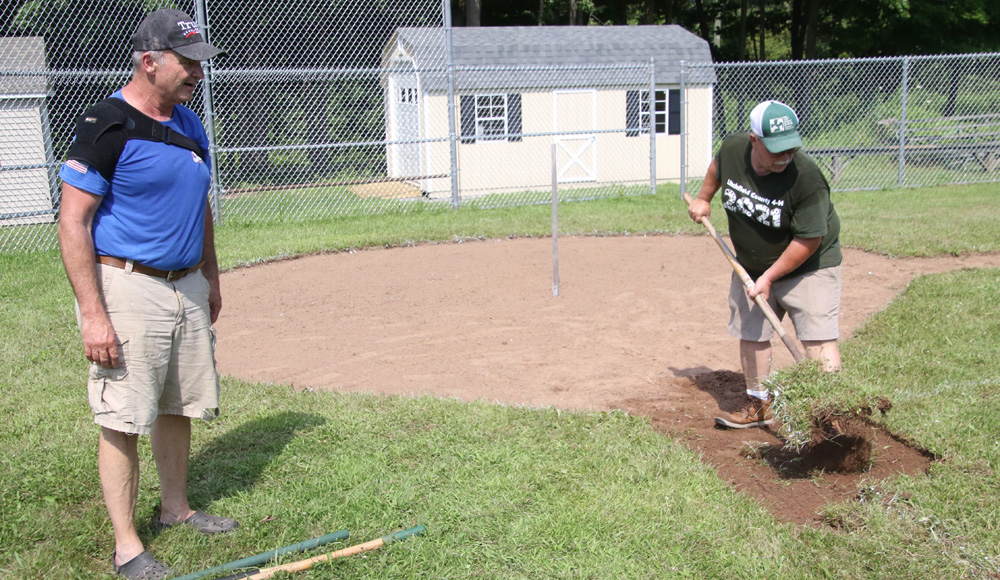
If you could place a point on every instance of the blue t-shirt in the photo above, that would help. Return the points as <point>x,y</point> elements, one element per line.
<point>153,210</point>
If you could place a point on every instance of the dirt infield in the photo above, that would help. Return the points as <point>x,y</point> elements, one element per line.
<point>640,325</point>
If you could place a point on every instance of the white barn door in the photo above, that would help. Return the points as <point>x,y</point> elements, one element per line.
<point>405,125</point>
<point>574,122</point>
<point>25,191</point>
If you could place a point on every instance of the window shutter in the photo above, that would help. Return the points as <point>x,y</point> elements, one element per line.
<point>674,112</point>
<point>468,113</point>
<point>514,116</point>
<point>632,113</point>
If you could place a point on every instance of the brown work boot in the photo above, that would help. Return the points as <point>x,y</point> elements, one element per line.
<point>753,412</point>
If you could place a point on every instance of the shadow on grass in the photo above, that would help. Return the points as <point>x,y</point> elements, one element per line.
<point>234,461</point>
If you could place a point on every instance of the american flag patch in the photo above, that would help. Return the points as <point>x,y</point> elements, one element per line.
<point>74,164</point>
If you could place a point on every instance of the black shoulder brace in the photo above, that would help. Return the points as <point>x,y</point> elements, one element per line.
<point>101,133</point>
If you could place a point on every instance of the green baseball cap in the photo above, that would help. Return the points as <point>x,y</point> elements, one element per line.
<point>777,125</point>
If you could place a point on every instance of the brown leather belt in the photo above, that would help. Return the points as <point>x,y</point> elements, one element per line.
<point>168,275</point>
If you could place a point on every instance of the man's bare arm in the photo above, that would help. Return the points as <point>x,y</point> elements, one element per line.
<point>76,242</point>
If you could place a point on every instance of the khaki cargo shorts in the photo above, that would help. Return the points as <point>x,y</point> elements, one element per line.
<point>811,300</point>
<point>167,347</point>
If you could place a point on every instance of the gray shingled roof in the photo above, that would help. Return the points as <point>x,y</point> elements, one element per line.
<point>564,46</point>
<point>25,53</point>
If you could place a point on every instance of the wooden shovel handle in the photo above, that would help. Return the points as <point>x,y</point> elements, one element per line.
<point>749,284</point>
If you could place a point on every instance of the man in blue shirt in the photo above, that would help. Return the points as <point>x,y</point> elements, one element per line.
<point>136,236</point>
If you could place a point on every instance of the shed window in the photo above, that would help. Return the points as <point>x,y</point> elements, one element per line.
<point>666,113</point>
<point>491,117</point>
<point>407,95</point>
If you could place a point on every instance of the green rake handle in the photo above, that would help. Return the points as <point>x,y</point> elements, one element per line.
<point>268,556</point>
<point>403,534</point>
<point>349,551</point>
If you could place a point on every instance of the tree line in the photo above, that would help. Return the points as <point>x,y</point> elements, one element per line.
<point>757,30</point>
<point>285,109</point>
<point>79,32</point>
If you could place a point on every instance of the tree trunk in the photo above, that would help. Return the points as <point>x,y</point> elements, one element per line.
<point>649,12</point>
<point>797,29</point>
<point>473,9</point>
<point>956,81</point>
<point>744,8</point>
<point>251,166</point>
<point>315,105</point>
<point>704,27</point>
<point>763,32</point>
<point>576,16</point>
<point>541,12</point>
<point>812,23</point>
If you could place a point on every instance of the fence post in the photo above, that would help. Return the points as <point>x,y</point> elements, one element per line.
<point>452,137</point>
<point>684,131</point>
<point>901,171</point>
<point>555,222</point>
<point>202,16</point>
<point>652,126</point>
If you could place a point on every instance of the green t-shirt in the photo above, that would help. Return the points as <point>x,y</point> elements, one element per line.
<point>766,212</point>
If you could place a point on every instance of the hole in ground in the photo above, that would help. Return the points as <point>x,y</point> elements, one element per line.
<point>793,484</point>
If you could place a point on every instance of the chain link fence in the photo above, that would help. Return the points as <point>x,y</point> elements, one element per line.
<point>875,123</point>
<point>324,109</point>
<point>414,127</point>
<point>56,59</point>
<point>299,107</point>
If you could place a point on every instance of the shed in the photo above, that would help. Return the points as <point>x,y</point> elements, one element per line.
<point>520,89</point>
<point>27,170</point>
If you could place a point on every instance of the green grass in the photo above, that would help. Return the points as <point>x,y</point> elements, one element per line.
<point>921,222</point>
<point>511,492</point>
<point>243,244</point>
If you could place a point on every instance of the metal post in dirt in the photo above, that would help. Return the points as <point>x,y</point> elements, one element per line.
<point>555,224</point>
<point>452,137</point>
<point>202,17</point>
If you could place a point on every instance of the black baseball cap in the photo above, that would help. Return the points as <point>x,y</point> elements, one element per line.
<point>169,29</point>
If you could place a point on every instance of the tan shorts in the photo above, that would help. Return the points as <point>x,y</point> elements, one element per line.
<point>167,345</point>
<point>811,300</point>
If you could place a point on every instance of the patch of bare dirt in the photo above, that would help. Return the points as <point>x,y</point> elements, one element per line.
<point>386,190</point>
<point>639,324</point>
<point>794,484</point>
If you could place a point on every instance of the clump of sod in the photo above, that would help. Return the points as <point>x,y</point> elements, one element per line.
<point>821,420</point>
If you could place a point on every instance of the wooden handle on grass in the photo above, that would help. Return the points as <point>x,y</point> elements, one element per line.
<point>749,284</point>
<point>267,556</point>
<point>350,551</point>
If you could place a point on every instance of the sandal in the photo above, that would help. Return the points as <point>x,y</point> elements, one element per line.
<point>142,567</point>
<point>202,522</point>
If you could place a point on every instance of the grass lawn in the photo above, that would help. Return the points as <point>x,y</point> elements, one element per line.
<point>524,493</point>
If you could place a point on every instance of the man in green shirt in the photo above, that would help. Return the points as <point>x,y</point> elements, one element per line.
<point>786,235</point>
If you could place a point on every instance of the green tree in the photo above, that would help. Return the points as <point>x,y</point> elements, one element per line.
<point>959,26</point>
<point>79,34</point>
